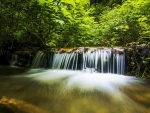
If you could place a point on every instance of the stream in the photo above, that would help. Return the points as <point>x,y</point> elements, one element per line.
<point>25,90</point>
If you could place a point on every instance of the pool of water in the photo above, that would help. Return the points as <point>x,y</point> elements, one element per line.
<point>63,91</point>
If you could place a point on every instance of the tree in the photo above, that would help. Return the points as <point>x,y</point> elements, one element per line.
<point>124,24</point>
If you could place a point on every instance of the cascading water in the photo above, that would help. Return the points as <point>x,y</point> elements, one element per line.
<point>104,60</point>
<point>92,60</point>
<point>65,61</point>
<point>68,91</point>
<point>39,61</point>
<point>14,59</point>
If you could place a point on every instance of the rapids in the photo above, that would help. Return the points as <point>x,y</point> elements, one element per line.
<point>68,91</point>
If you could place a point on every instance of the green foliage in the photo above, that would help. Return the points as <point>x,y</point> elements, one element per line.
<point>125,23</point>
<point>138,60</point>
<point>69,23</point>
<point>51,23</point>
<point>73,23</point>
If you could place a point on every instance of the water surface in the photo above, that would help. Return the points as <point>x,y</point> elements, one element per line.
<point>60,91</point>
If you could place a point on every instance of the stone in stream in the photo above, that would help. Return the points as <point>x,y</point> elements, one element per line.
<point>18,106</point>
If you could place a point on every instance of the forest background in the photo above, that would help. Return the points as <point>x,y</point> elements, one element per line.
<point>74,23</point>
<point>33,24</point>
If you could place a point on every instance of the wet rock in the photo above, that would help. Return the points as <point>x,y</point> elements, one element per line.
<point>5,109</point>
<point>80,50</point>
<point>61,51</point>
<point>69,51</point>
<point>117,51</point>
<point>137,62</point>
<point>18,106</point>
<point>22,58</point>
<point>91,50</point>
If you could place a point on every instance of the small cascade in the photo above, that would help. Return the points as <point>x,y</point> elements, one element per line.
<point>21,59</point>
<point>65,61</point>
<point>39,61</point>
<point>105,60</point>
<point>14,59</point>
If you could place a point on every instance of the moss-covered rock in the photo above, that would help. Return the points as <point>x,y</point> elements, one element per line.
<point>138,60</point>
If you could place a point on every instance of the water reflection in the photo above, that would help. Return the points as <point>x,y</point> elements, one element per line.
<point>55,91</point>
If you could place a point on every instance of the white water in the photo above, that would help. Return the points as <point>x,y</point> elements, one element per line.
<point>14,59</point>
<point>96,69</point>
<point>84,81</point>
<point>67,91</point>
<point>96,60</point>
<point>39,61</point>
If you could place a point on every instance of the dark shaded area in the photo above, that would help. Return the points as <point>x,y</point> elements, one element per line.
<point>5,109</point>
<point>9,71</point>
<point>3,60</point>
<point>138,60</point>
<point>22,58</point>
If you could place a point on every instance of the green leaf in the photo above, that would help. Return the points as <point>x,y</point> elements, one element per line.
<point>148,58</point>
<point>145,62</point>
<point>142,19</point>
<point>71,2</point>
<point>45,1</point>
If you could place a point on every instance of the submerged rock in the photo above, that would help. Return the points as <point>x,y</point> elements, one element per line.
<point>18,106</point>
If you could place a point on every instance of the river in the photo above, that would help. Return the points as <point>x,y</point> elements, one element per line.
<point>63,91</point>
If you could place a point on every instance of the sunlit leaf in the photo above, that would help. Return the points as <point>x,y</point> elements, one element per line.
<point>71,2</point>
<point>142,19</point>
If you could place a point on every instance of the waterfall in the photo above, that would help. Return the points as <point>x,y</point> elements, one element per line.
<point>21,59</point>
<point>105,60</point>
<point>39,61</point>
<point>14,59</point>
<point>65,61</point>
